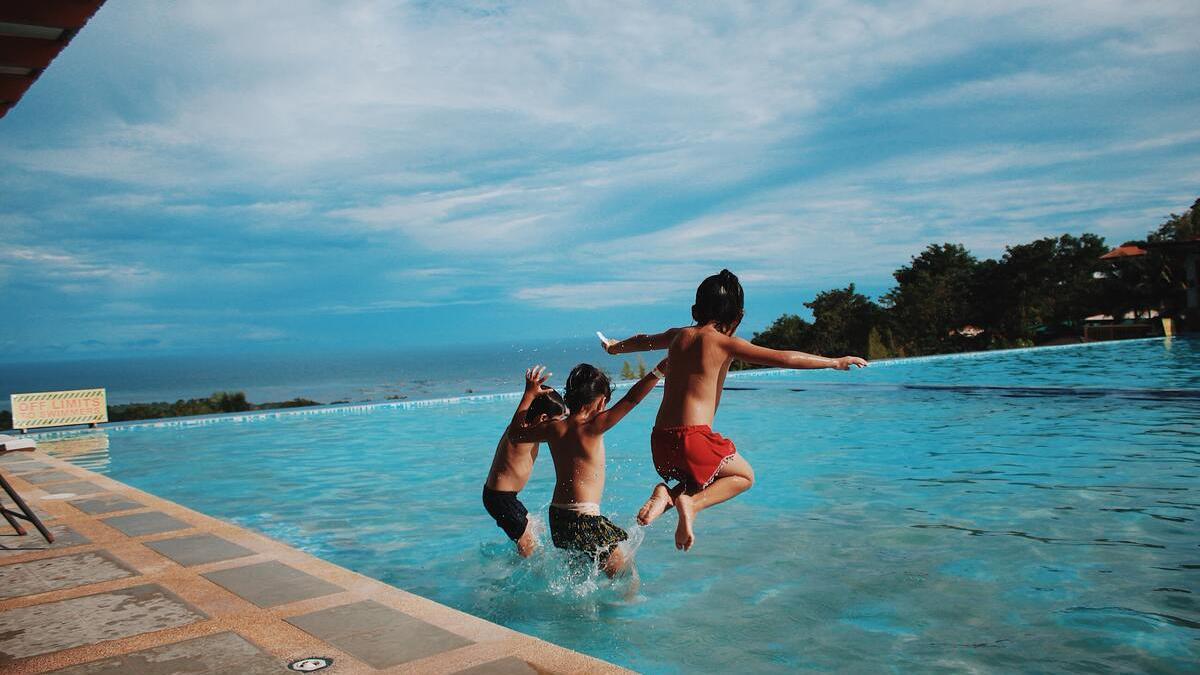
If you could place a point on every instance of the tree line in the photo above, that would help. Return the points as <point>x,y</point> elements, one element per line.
<point>219,402</point>
<point>947,300</point>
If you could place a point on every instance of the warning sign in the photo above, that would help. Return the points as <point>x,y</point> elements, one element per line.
<point>59,408</point>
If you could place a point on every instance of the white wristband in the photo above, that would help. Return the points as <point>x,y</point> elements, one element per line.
<point>658,373</point>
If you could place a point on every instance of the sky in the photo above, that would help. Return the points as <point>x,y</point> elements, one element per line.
<point>200,176</point>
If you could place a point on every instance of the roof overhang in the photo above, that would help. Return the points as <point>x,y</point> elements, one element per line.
<point>32,33</point>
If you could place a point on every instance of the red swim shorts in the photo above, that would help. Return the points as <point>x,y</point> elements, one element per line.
<point>692,454</point>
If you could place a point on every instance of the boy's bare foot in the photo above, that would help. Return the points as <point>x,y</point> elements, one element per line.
<point>684,537</point>
<point>659,500</point>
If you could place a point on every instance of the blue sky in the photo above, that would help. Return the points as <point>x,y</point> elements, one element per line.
<point>221,176</point>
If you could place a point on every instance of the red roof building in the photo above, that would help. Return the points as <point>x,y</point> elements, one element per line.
<point>1124,252</point>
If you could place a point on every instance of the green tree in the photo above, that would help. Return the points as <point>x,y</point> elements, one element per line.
<point>1179,227</point>
<point>787,332</point>
<point>1047,283</point>
<point>627,371</point>
<point>879,345</point>
<point>226,401</point>
<point>1163,271</point>
<point>842,322</point>
<point>932,298</point>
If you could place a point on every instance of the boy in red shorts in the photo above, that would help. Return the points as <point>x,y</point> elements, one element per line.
<point>684,446</point>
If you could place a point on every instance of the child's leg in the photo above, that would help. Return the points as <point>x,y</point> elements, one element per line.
<point>618,563</point>
<point>735,477</point>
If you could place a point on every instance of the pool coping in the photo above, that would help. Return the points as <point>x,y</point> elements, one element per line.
<point>471,643</point>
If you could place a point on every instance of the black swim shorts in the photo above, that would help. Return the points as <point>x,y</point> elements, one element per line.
<point>509,512</point>
<point>588,534</point>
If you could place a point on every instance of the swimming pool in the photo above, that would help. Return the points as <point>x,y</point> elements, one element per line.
<point>994,512</point>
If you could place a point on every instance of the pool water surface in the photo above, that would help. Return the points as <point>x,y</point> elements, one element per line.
<point>1029,510</point>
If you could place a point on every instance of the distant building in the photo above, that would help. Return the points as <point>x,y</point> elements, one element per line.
<point>968,331</point>
<point>1128,316</point>
<point>1127,251</point>
<point>1189,250</point>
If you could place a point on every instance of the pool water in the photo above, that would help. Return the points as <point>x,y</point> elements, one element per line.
<point>1031,510</point>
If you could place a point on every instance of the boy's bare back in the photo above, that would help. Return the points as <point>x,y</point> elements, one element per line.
<point>578,460</point>
<point>512,465</point>
<point>577,442</point>
<point>699,361</point>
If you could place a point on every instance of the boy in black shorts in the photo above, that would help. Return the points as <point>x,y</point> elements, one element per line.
<point>577,446</point>
<point>513,462</point>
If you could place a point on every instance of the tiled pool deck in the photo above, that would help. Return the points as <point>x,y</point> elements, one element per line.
<point>137,584</point>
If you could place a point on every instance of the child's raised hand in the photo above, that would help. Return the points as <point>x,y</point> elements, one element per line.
<point>606,342</point>
<point>845,362</point>
<point>535,379</point>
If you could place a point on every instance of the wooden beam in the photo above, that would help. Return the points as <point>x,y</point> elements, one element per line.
<point>70,14</point>
<point>28,52</point>
<point>13,86</point>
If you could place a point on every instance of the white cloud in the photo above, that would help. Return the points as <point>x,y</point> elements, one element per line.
<point>380,306</point>
<point>1023,86</point>
<point>358,87</point>
<point>470,147</point>
<point>63,267</point>
<point>862,223</point>
<point>601,294</point>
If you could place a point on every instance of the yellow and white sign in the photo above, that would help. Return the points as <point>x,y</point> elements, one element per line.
<point>59,408</point>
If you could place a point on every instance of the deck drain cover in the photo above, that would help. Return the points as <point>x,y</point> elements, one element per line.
<point>311,664</point>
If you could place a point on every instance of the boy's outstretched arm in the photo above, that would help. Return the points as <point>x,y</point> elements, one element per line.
<point>541,432</point>
<point>639,343</point>
<point>609,418</point>
<point>764,356</point>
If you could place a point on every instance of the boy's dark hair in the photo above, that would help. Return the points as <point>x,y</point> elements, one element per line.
<point>719,300</point>
<point>585,383</point>
<point>547,403</point>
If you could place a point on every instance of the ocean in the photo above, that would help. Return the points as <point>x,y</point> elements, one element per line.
<point>327,377</point>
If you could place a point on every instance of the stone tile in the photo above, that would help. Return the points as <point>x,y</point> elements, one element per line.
<point>223,653</point>
<point>105,504</point>
<point>510,665</point>
<point>66,571</point>
<point>18,456</point>
<point>199,549</point>
<point>43,477</point>
<point>271,583</point>
<point>45,516</point>
<point>27,466</point>
<point>55,626</point>
<point>11,544</point>
<point>377,634</point>
<point>151,522</point>
<point>75,488</point>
